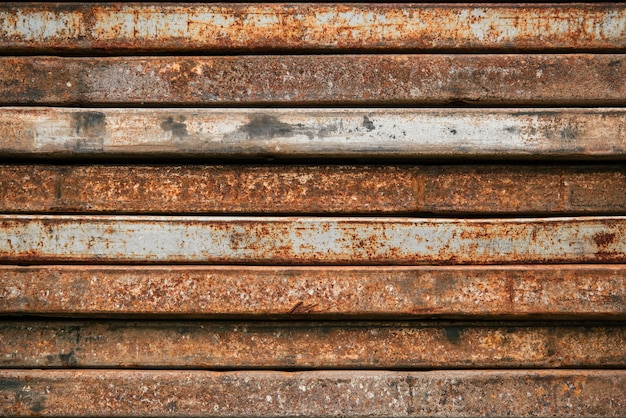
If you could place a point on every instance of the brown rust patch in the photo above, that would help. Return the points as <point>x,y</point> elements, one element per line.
<point>602,239</point>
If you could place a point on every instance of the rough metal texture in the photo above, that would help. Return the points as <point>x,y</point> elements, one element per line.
<point>221,27</point>
<point>354,189</point>
<point>308,240</point>
<point>287,133</point>
<point>566,291</point>
<point>305,345</point>
<point>521,393</point>
<point>339,80</point>
<point>376,316</point>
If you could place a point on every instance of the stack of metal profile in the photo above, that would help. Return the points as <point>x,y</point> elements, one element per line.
<point>312,210</point>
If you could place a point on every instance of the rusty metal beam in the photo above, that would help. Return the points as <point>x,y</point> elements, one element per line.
<point>306,345</point>
<point>284,133</point>
<point>515,393</point>
<point>555,292</point>
<point>227,27</point>
<point>246,189</point>
<point>374,80</point>
<point>309,240</point>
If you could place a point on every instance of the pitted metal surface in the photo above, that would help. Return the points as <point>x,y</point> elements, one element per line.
<point>147,393</point>
<point>310,240</point>
<point>317,80</point>
<point>550,292</point>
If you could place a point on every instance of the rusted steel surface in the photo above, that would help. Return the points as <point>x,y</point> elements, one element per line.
<point>374,80</point>
<point>563,291</point>
<point>246,189</point>
<point>518,393</point>
<point>227,27</point>
<point>494,133</point>
<point>90,280</point>
<point>309,240</point>
<point>309,345</point>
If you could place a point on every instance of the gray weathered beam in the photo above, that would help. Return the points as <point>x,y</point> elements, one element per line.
<point>300,80</point>
<point>513,393</point>
<point>309,240</point>
<point>289,189</point>
<point>306,345</point>
<point>460,133</point>
<point>226,27</point>
<point>558,291</point>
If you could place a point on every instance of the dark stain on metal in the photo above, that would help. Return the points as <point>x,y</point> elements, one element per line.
<point>32,95</point>
<point>89,124</point>
<point>368,124</point>
<point>72,333</point>
<point>266,127</point>
<point>453,334</point>
<point>569,132</point>
<point>37,405</point>
<point>171,406</point>
<point>24,394</point>
<point>177,127</point>
<point>10,384</point>
<point>616,299</point>
<point>68,359</point>
<point>90,128</point>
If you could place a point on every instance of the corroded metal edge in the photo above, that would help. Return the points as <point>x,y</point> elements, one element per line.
<point>468,133</point>
<point>310,240</point>
<point>562,291</point>
<point>227,27</point>
<point>306,345</point>
<point>514,393</point>
<point>318,80</point>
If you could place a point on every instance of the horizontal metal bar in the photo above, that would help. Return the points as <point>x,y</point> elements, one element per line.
<point>285,240</point>
<point>223,27</point>
<point>486,189</point>
<point>304,345</point>
<point>561,291</point>
<point>569,291</point>
<point>337,80</point>
<point>515,393</point>
<point>461,133</point>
